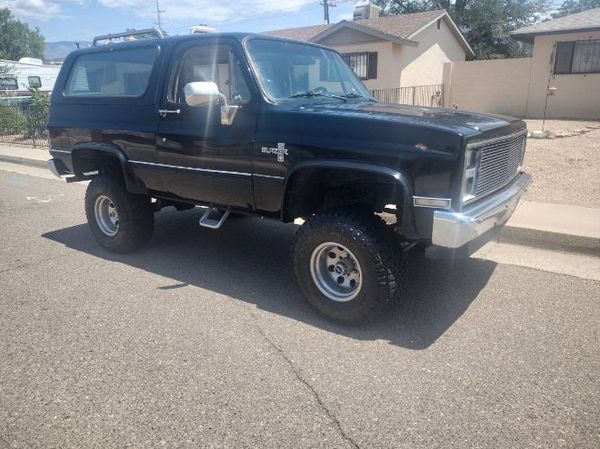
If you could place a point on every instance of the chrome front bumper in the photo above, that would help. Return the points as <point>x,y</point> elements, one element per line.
<point>456,229</point>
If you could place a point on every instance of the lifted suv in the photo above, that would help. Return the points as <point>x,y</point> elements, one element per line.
<point>241,123</point>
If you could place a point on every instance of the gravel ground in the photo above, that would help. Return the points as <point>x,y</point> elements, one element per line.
<point>566,169</point>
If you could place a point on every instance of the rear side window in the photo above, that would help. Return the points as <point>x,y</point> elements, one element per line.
<point>121,73</point>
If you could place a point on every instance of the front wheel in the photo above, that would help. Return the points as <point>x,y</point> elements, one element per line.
<point>121,221</point>
<point>347,265</point>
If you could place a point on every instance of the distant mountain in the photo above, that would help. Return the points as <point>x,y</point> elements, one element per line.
<point>60,49</point>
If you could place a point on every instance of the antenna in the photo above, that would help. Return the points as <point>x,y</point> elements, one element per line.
<point>326,5</point>
<point>158,11</point>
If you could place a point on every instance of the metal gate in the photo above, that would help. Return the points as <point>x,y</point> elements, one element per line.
<point>427,95</point>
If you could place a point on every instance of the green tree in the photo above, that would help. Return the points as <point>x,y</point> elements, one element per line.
<point>17,39</point>
<point>486,24</point>
<point>5,71</point>
<point>575,6</point>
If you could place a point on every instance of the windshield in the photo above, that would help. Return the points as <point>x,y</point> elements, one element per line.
<point>291,70</point>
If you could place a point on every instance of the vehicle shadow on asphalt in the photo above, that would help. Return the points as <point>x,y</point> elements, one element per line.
<point>250,259</point>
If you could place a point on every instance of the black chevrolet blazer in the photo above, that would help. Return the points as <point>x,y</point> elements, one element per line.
<point>248,124</point>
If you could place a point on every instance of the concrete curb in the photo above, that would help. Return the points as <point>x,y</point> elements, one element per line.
<point>517,231</point>
<point>38,163</point>
<point>550,240</point>
<point>561,227</point>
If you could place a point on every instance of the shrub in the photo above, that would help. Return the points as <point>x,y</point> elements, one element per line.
<point>37,114</point>
<point>26,119</point>
<point>12,120</point>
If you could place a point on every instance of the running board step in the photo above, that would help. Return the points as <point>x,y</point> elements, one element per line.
<point>213,218</point>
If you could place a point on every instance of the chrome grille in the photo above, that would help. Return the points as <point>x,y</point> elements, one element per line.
<point>500,160</point>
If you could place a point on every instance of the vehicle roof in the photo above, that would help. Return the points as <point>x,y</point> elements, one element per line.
<point>239,36</point>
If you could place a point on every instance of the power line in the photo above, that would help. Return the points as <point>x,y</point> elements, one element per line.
<point>272,13</point>
<point>268,15</point>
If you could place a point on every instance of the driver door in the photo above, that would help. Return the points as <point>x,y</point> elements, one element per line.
<point>202,158</point>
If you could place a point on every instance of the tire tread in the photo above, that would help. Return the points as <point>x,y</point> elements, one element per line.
<point>372,234</point>
<point>136,215</point>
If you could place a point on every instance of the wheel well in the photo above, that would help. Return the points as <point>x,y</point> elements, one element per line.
<point>90,160</point>
<point>110,162</point>
<point>314,189</point>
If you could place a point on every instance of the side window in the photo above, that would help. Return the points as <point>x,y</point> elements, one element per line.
<point>9,84</point>
<point>211,63</point>
<point>121,73</point>
<point>35,82</point>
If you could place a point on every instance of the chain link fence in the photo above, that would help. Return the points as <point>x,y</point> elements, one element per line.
<point>24,123</point>
<point>431,95</point>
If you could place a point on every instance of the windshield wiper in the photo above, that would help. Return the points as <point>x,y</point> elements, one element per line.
<point>355,95</point>
<point>312,93</point>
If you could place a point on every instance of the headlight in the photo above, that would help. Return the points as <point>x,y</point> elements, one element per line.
<point>471,173</point>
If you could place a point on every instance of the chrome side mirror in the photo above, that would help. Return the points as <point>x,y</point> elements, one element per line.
<point>205,92</point>
<point>201,93</point>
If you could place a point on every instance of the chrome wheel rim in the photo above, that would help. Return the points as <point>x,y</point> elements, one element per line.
<point>106,215</point>
<point>336,272</point>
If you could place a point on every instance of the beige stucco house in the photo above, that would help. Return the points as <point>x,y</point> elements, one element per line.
<point>393,51</point>
<point>564,77</point>
<point>560,80</point>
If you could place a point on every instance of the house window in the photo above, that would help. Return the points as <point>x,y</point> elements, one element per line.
<point>577,57</point>
<point>364,64</point>
<point>35,82</point>
<point>9,84</point>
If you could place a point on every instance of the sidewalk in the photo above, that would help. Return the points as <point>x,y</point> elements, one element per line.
<point>552,226</point>
<point>22,154</point>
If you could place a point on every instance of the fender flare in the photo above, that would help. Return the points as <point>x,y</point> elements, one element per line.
<point>395,176</point>
<point>132,183</point>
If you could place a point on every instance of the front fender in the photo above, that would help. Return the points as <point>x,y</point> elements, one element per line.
<point>395,176</point>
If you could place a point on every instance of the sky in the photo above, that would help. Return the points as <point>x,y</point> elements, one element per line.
<point>80,20</point>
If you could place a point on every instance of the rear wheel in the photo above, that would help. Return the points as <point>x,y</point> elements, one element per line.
<point>348,265</point>
<point>120,221</point>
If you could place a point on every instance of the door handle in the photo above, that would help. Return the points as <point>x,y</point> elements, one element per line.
<point>164,112</point>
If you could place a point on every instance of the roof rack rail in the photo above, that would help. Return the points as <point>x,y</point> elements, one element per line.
<point>148,33</point>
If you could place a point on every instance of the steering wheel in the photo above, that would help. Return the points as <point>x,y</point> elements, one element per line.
<point>320,90</point>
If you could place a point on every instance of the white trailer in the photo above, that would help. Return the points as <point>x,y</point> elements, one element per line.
<point>27,73</point>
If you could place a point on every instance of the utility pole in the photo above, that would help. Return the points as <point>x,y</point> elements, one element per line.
<point>326,5</point>
<point>158,11</point>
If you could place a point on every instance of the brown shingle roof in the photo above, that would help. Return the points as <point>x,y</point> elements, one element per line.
<point>402,26</point>
<point>300,33</point>
<point>586,20</point>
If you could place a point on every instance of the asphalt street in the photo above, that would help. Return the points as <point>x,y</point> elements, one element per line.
<point>203,340</point>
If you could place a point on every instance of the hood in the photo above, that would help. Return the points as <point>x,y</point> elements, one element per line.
<point>466,124</point>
